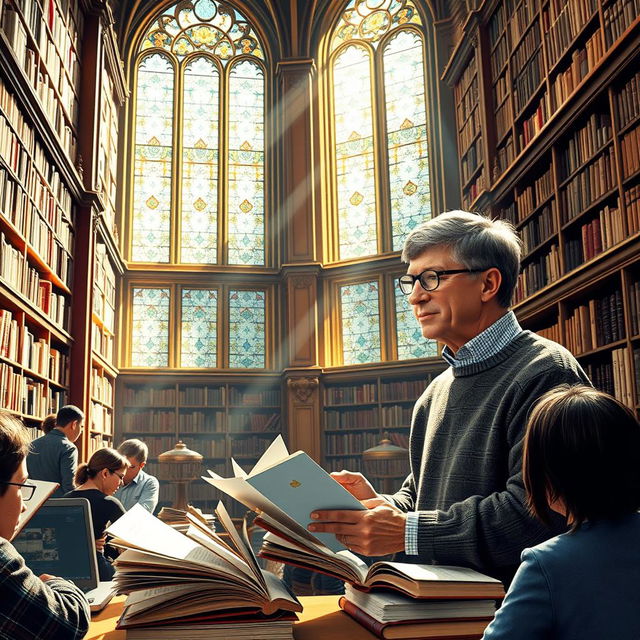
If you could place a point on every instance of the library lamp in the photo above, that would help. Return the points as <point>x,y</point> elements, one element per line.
<point>386,462</point>
<point>180,466</point>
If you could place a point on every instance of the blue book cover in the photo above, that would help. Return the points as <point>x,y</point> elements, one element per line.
<point>298,486</point>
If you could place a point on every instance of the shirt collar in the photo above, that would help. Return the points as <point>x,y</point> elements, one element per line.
<point>486,344</point>
<point>138,477</point>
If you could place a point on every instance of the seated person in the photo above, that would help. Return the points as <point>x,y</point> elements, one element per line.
<point>31,607</point>
<point>97,481</point>
<point>138,487</point>
<point>582,460</point>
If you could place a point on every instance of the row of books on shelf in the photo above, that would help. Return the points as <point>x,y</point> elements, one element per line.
<point>584,143</point>
<point>101,419</point>
<point>202,422</point>
<point>541,227</point>
<point>470,194</point>
<point>503,120</point>
<point>540,272</point>
<point>17,208</point>
<point>551,333</point>
<point>618,17</point>
<point>254,396</point>
<point>622,376</point>
<point>27,396</point>
<point>396,415</point>
<point>15,270</point>
<point>340,443</point>
<point>358,419</point>
<point>634,307</point>
<point>521,18</point>
<point>630,151</point>
<point>532,125</point>
<point>211,396</point>
<point>153,421</point>
<point>209,448</point>
<point>150,396</point>
<point>102,343</point>
<point>97,441</point>
<point>603,232</point>
<point>55,82</point>
<point>355,394</point>
<point>399,390</point>
<point>19,345</point>
<point>628,101</point>
<point>534,194</point>
<point>101,387</point>
<point>241,422</point>
<point>469,130</point>
<point>595,324</point>
<point>563,22</point>
<point>471,159</point>
<point>526,67</point>
<point>589,184</point>
<point>583,61</point>
<point>467,104</point>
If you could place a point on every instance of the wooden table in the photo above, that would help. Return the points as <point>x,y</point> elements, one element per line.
<point>320,620</point>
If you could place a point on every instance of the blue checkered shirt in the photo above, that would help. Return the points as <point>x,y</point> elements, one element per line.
<point>485,345</point>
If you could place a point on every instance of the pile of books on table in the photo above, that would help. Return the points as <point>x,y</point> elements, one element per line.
<point>389,614</point>
<point>196,585</point>
<point>177,518</point>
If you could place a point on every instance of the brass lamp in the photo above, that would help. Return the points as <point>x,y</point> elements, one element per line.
<point>180,466</point>
<point>386,462</point>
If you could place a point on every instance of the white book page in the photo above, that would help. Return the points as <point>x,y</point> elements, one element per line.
<point>433,573</point>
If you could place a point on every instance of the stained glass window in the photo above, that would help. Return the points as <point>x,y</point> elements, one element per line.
<point>354,154</point>
<point>379,88</point>
<point>200,163</point>
<point>406,134</point>
<point>198,320</point>
<point>150,328</point>
<point>221,37</point>
<point>360,323</point>
<point>410,341</point>
<point>247,340</point>
<point>246,165</point>
<point>153,160</point>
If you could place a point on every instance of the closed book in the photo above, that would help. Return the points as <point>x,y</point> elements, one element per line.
<point>432,629</point>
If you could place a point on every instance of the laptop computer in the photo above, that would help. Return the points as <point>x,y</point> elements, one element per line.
<point>58,540</point>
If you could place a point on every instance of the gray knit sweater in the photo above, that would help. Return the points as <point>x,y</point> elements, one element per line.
<point>466,457</point>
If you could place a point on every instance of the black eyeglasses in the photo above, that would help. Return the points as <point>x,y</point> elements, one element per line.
<point>429,279</point>
<point>27,490</point>
<point>115,473</point>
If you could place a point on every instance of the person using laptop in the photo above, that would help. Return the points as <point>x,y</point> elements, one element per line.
<point>138,487</point>
<point>97,481</point>
<point>31,607</point>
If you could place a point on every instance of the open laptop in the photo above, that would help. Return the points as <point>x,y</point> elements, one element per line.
<point>58,540</point>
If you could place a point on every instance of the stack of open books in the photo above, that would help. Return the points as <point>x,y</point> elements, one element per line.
<point>196,584</point>
<point>405,600</point>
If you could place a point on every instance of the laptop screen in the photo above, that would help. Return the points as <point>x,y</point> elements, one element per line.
<point>58,540</point>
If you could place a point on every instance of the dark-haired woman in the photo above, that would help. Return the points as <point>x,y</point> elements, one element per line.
<point>582,460</point>
<point>97,481</point>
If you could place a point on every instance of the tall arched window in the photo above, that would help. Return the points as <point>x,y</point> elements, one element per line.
<point>381,160</point>
<point>198,193</point>
<point>377,78</point>
<point>198,179</point>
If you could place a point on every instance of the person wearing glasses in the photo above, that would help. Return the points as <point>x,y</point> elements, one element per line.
<point>30,606</point>
<point>97,481</point>
<point>581,460</point>
<point>138,486</point>
<point>53,456</point>
<point>463,502</point>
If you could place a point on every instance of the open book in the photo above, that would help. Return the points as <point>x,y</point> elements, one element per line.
<point>43,490</point>
<point>174,577</point>
<point>287,488</point>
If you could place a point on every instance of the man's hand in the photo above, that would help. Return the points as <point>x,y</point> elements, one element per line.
<point>100,543</point>
<point>375,532</point>
<point>45,577</point>
<point>356,484</point>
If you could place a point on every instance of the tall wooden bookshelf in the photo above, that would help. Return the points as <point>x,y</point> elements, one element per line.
<point>358,408</point>
<point>562,133</point>
<point>217,417</point>
<point>51,51</point>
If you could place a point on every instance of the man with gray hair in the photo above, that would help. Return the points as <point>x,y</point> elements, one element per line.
<point>138,487</point>
<point>464,501</point>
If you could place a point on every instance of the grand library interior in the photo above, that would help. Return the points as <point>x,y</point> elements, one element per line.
<point>201,217</point>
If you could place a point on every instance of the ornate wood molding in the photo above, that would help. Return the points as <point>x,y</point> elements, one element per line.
<point>303,387</point>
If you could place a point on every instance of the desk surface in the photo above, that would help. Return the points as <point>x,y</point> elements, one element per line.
<point>320,620</point>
